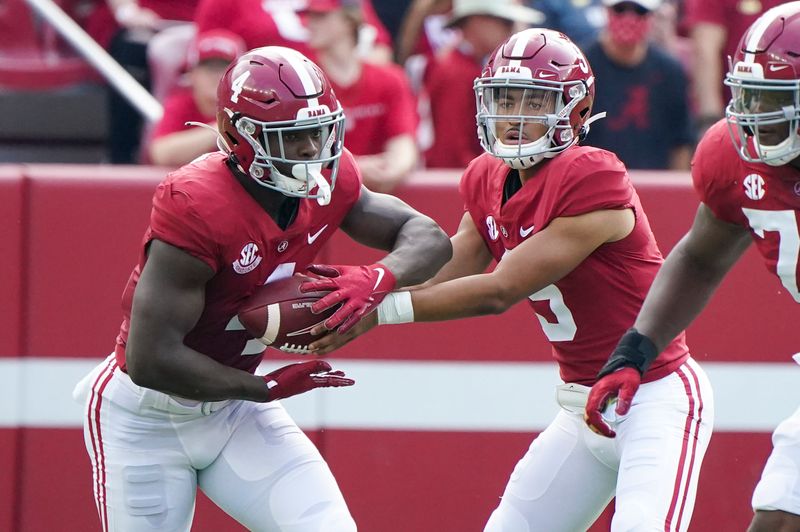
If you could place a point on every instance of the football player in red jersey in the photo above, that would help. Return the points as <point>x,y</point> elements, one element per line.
<point>748,177</point>
<point>178,406</point>
<point>568,233</point>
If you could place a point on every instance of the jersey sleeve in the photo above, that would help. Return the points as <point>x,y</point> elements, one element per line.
<point>468,182</point>
<point>708,169</point>
<point>175,221</point>
<point>595,180</point>
<point>348,179</point>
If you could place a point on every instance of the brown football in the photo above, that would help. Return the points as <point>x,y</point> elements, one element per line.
<point>279,314</point>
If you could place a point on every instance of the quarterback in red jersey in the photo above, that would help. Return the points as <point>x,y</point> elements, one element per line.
<point>178,406</point>
<point>748,177</point>
<point>568,233</point>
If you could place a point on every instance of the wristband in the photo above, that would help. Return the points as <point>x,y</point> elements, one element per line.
<point>634,350</point>
<point>396,308</point>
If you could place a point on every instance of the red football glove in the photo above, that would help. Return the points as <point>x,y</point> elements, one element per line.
<point>358,288</point>
<point>621,384</point>
<point>299,378</point>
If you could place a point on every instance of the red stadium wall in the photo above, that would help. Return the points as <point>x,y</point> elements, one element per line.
<point>70,236</point>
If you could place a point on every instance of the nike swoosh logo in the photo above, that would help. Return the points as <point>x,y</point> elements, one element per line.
<point>775,68</point>
<point>312,238</point>
<point>525,231</point>
<point>381,273</point>
<point>546,75</point>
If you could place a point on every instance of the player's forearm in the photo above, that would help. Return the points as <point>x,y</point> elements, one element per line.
<point>186,373</point>
<point>476,295</point>
<point>420,250</point>
<point>678,294</point>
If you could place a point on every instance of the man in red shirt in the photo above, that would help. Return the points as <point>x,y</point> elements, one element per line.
<point>173,141</point>
<point>747,174</point>
<point>447,82</point>
<point>178,405</point>
<point>567,231</point>
<point>377,100</point>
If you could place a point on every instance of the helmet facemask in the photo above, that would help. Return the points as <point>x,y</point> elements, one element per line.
<point>763,118</point>
<point>508,107</point>
<point>273,167</point>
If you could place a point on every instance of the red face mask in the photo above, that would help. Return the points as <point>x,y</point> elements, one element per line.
<point>628,28</point>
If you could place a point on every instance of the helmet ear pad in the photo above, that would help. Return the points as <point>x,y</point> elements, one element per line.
<point>240,152</point>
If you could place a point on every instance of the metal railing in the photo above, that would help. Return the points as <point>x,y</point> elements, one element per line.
<point>111,70</point>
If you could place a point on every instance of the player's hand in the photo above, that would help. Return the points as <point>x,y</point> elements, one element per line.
<point>358,288</point>
<point>334,340</point>
<point>299,378</point>
<point>622,385</point>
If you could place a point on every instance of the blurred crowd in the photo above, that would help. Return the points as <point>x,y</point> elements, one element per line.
<point>404,70</point>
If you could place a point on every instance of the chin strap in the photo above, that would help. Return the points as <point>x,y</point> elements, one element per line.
<point>588,123</point>
<point>221,144</point>
<point>314,170</point>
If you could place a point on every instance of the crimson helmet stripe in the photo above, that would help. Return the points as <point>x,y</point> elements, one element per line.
<point>300,67</point>
<point>762,25</point>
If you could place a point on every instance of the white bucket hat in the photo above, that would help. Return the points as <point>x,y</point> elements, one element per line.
<point>504,9</point>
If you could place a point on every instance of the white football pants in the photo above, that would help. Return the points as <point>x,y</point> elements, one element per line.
<point>779,487</point>
<point>150,452</point>
<point>570,474</point>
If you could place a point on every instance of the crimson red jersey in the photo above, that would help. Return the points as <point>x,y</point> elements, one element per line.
<point>585,313</point>
<point>378,106</point>
<point>761,198</point>
<point>202,209</point>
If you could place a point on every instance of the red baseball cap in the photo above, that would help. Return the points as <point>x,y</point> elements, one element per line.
<point>215,44</point>
<point>326,6</point>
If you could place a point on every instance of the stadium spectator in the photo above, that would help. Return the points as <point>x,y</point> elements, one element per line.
<point>644,90</point>
<point>178,406</point>
<point>748,187</point>
<point>715,27</point>
<point>125,27</point>
<point>281,23</point>
<point>579,20</point>
<point>448,78</point>
<point>173,141</point>
<point>377,100</point>
<point>422,30</point>
<point>568,234</point>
